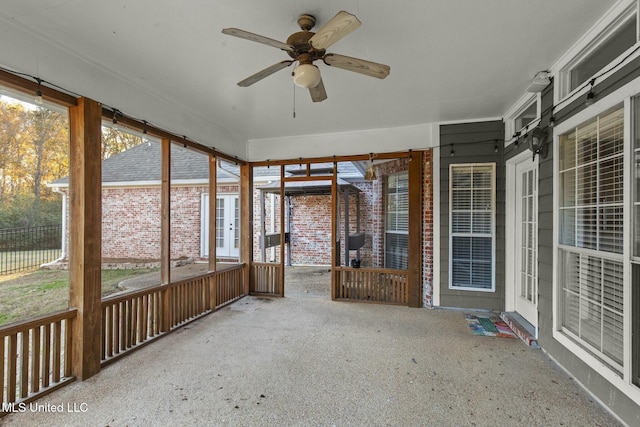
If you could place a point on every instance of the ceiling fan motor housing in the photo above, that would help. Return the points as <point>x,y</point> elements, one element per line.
<point>301,45</point>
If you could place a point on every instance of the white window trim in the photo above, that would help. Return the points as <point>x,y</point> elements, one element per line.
<point>516,110</point>
<point>624,383</point>
<point>493,229</point>
<point>510,223</point>
<point>601,32</point>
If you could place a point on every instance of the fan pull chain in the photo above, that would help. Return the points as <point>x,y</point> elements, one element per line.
<point>294,101</point>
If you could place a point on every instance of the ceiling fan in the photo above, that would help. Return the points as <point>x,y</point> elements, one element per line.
<point>305,47</point>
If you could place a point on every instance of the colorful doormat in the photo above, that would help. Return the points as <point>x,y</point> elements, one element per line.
<point>489,327</point>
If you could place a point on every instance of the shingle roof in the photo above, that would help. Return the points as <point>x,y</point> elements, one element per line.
<point>142,163</point>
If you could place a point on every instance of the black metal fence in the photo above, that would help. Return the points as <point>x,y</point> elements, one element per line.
<point>29,247</point>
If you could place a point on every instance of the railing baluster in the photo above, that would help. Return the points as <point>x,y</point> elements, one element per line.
<point>24,363</point>
<point>46,356</point>
<point>57,335</point>
<point>12,366</point>
<point>68,351</point>
<point>35,371</point>
<point>2,359</point>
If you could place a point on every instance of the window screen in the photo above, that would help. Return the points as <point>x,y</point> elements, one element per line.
<point>472,227</point>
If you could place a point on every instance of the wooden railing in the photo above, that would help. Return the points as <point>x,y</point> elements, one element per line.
<point>35,357</point>
<point>266,278</point>
<point>229,285</point>
<point>371,284</point>
<point>133,319</point>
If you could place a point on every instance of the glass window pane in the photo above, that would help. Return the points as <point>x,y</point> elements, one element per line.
<point>620,41</point>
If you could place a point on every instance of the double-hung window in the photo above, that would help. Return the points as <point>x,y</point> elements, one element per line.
<point>591,231</point>
<point>472,227</point>
<point>397,221</point>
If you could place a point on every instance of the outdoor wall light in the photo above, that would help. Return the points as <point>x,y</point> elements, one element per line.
<point>538,143</point>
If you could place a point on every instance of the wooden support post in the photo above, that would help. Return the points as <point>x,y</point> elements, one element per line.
<point>85,261</point>
<point>334,225</point>
<point>415,230</point>
<point>282,214</point>
<point>246,225</point>
<point>213,212</point>
<point>165,232</point>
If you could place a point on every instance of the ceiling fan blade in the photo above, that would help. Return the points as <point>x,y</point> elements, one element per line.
<point>337,27</point>
<point>264,73</point>
<point>361,66</point>
<point>256,38</point>
<point>318,93</point>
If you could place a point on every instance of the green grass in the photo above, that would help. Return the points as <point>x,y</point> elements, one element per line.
<point>31,294</point>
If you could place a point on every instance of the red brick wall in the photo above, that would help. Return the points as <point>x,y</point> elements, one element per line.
<point>131,222</point>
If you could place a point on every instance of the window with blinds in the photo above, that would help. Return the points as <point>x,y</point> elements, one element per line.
<point>635,255</point>
<point>396,253</point>
<point>472,227</point>
<point>591,235</point>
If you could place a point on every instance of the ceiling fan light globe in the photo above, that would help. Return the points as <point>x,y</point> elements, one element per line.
<point>306,76</point>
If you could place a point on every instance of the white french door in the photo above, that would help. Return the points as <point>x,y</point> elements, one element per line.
<point>227,226</point>
<point>526,241</point>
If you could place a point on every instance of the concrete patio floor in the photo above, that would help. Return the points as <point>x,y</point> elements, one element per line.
<point>305,360</point>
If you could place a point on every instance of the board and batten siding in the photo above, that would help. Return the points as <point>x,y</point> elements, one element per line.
<point>472,143</point>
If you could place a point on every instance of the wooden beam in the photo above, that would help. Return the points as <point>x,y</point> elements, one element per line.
<point>415,230</point>
<point>85,261</point>
<point>331,159</point>
<point>246,222</point>
<point>27,86</point>
<point>140,126</point>
<point>307,178</point>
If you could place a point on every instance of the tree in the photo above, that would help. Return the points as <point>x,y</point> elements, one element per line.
<point>115,141</point>
<point>34,150</point>
<point>12,128</point>
<point>34,147</point>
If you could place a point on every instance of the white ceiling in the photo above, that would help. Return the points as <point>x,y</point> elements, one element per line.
<point>167,62</point>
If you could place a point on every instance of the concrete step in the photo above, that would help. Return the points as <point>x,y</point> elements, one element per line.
<point>521,328</point>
